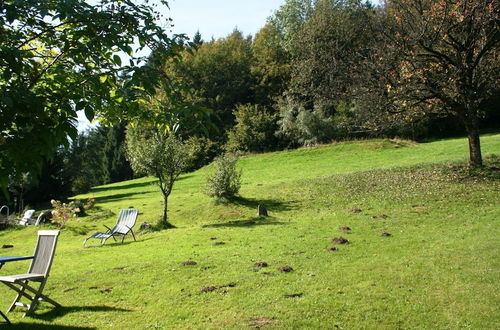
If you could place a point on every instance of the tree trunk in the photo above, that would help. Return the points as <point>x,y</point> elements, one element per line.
<point>472,127</point>
<point>164,220</point>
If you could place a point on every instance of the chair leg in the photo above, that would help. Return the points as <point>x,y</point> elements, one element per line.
<point>133,234</point>
<point>35,299</point>
<point>20,293</point>
<point>40,296</point>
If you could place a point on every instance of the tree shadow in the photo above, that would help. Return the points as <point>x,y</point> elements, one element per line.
<point>110,243</point>
<point>111,198</point>
<point>32,326</point>
<point>64,310</point>
<point>270,204</point>
<point>134,185</point>
<point>122,186</point>
<point>252,222</point>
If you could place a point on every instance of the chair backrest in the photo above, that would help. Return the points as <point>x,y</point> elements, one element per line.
<point>126,220</point>
<point>44,252</point>
<point>28,214</point>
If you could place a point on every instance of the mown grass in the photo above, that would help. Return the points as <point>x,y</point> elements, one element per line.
<point>438,269</point>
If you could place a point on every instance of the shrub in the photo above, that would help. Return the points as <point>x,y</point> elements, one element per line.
<point>201,152</point>
<point>254,129</point>
<point>89,204</point>
<point>306,127</point>
<point>62,212</point>
<point>81,185</point>
<point>225,181</point>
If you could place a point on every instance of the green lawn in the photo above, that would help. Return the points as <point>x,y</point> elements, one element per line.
<point>438,269</point>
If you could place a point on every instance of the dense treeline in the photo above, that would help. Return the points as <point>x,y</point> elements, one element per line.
<point>325,70</point>
<point>95,157</point>
<point>318,71</point>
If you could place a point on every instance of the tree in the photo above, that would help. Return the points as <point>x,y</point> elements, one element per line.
<point>449,59</point>
<point>270,65</point>
<point>328,50</point>
<point>289,18</point>
<point>157,152</point>
<point>61,56</point>
<point>217,76</point>
<point>118,167</point>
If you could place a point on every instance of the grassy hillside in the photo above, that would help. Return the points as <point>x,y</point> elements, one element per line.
<point>439,268</point>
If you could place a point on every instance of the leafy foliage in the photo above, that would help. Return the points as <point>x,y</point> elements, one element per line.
<point>254,130</point>
<point>225,180</point>
<point>58,57</point>
<point>217,76</point>
<point>302,127</point>
<point>201,151</point>
<point>63,212</point>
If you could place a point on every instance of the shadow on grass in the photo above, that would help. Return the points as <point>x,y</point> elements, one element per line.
<point>81,230</point>
<point>252,222</point>
<point>133,185</point>
<point>41,326</point>
<point>111,243</point>
<point>270,204</point>
<point>62,311</point>
<point>122,186</point>
<point>110,198</point>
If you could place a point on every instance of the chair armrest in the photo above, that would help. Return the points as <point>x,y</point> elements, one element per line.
<point>109,229</point>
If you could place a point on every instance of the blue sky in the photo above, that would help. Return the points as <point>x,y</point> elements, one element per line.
<point>218,18</point>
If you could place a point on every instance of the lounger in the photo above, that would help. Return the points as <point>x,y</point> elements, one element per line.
<point>38,272</point>
<point>126,220</point>
<point>26,217</point>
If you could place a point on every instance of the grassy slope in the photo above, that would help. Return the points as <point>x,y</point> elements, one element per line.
<point>439,269</point>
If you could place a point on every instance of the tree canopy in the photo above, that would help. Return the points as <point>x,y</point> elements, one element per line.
<point>61,56</point>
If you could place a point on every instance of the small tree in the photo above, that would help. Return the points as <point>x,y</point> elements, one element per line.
<point>225,180</point>
<point>159,153</point>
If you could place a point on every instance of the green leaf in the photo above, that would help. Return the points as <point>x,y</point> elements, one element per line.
<point>89,112</point>
<point>103,78</point>
<point>117,60</point>
<point>80,105</point>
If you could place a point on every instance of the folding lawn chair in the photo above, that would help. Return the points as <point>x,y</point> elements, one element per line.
<point>38,272</point>
<point>126,220</point>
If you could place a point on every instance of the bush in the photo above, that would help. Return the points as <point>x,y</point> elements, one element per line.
<point>306,127</point>
<point>201,152</point>
<point>254,129</point>
<point>81,185</point>
<point>225,181</point>
<point>62,212</point>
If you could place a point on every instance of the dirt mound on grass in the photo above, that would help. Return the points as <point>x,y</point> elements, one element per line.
<point>208,288</point>
<point>340,240</point>
<point>189,263</point>
<point>285,269</point>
